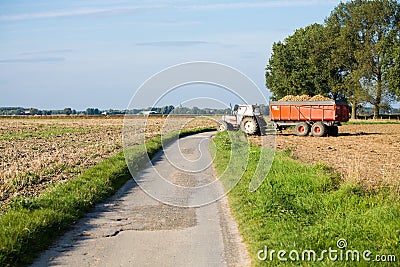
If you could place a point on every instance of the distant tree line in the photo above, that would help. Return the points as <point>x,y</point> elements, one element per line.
<point>353,56</point>
<point>9,111</point>
<point>210,111</point>
<point>164,110</point>
<point>34,111</point>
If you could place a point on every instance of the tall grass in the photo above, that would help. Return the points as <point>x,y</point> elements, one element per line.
<point>307,207</point>
<point>29,225</point>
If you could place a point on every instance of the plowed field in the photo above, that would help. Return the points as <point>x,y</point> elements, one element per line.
<point>37,152</point>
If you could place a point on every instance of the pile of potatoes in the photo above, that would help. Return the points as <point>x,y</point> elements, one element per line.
<point>305,98</point>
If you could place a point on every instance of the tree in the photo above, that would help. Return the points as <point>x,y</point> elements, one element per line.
<point>92,111</point>
<point>370,30</point>
<point>301,65</point>
<point>68,111</point>
<point>33,111</point>
<point>89,111</point>
<point>343,63</point>
<point>170,108</point>
<point>195,110</point>
<point>393,70</point>
<point>355,56</point>
<point>167,109</point>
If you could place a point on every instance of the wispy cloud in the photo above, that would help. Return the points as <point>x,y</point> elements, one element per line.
<point>32,60</point>
<point>111,11</point>
<point>45,52</point>
<point>74,12</point>
<point>173,43</point>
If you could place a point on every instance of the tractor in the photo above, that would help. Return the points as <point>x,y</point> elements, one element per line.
<point>247,118</point>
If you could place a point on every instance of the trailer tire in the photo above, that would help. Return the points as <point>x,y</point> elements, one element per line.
<point>319,129</point>
<point>302,129</point>
<point>249,126</point>
<point>333,131</point>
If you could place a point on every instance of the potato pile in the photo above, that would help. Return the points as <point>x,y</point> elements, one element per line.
<point>305,98</point>
<point>320,98</point>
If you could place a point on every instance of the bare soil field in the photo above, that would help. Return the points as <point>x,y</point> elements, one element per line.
<point>364,153</point>
<point>37,152</point>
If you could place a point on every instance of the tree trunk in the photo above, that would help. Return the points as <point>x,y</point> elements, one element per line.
<point>378,99</point>
<point>353,109</point>
<point>376,111</point>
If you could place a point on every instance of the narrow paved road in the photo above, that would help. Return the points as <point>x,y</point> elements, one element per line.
<point>134,229</point>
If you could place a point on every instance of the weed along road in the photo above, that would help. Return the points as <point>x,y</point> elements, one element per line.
<point>178,229</point>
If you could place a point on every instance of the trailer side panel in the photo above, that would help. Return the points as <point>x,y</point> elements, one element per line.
<point>309,111</point>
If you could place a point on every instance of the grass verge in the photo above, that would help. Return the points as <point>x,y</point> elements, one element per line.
<point>30,225</point>
<point>302,207</point>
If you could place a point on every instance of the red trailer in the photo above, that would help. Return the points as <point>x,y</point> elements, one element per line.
<point>320,117</point>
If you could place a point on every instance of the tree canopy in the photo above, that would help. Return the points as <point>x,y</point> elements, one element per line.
<point>353,56</point>
<point>298,65</point>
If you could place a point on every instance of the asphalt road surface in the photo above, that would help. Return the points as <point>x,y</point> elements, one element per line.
<point>173,227</point>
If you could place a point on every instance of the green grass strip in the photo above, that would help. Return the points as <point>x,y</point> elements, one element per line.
<point>307,207</point>
<point>45,134</point>
<point>30,225</point>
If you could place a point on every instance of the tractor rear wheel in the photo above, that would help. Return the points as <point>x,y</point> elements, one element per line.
<point>319,129</point>
<point>302,129</point>
<point>249,125</point>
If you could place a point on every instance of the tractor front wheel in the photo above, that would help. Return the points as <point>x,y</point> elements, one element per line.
<point>224,126</point>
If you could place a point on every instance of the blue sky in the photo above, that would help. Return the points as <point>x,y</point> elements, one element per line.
<point>79,54</point>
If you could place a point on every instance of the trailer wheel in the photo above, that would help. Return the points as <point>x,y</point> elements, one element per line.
<point>333,131</point>
<point>302,129</point>
<point>319,129</point>
<point>249,126</point>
